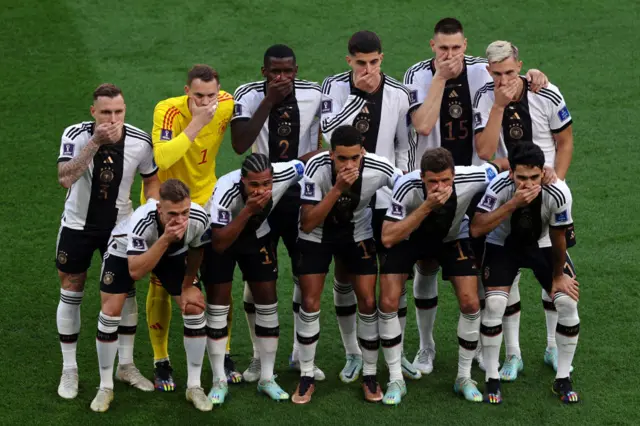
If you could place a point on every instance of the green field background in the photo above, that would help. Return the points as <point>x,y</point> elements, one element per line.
<point>55,53</point>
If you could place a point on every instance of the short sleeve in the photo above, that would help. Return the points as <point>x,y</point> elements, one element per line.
<point>493,196</point>
<point>220,213</point>
<point>147,166</point>
<point>71,143</point>
<point>136,235</point>
<point>310,188</point>
<point>561,201</point>
<point>559,116</point>
<point>202,234</point>
<point>417,88</point>
<point>481,110</point>
<point>243,108</point>
<point>401,197</point>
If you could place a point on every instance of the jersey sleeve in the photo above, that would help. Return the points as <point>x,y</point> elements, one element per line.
<point>402,134</point>
<point>68,147</point>
<point>137,235</point>
<point>481,109</point>
<point>336,111</point>
<point>310,188</point>
<point>243,108</point>
<point>493,197</point>
<point>417,91</point>
<point>220,215</point>
<point>202,234</point>
<point>147,166</point>
<point>559,116</point>
<point>168,147</point>
<point>401,196</point>
<point>561,201</point>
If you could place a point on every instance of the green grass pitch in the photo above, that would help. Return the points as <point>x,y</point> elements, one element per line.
<point>56,53</point>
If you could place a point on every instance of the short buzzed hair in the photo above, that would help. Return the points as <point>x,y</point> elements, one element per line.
<point>448,26</point>
<point>174,190</point>
<point>202,72</point>
<point>436,160</point>
<point>364,42</point>
<point>345,135</point>
<point>278,51</point>
<point>501,50</point>
<point>107,89</point>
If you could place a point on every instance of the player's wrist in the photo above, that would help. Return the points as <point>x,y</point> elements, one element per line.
<point>498,108</point>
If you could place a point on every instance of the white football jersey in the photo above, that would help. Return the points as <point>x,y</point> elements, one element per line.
<point>136,235</point>
<point>292,128</point>
<point>454,128</point>
<point>381,117</point>
<point>535,117</point>
<point>410,192</point>
<point>228,197</point>
<point>350,218</point>
<point>555,208</point>
<point>100,198</point>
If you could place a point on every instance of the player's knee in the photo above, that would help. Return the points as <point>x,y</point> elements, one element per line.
<point>388,304</point>
<point>367,305</point>
<point>566,307</point>
<point>470,304</point>
<point>310,304</point>
<point>72,282</point>
<point>495,306</point>
<point>193,310</point>
<point>112,305</point>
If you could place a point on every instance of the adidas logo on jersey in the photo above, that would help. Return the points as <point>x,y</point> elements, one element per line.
<point>453,94</point>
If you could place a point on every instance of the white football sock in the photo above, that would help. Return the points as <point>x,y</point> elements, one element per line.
<point>127,329</point>
<point>267,336</point>
<point>567,332</point>
<point>345,301</point>
<point>297,301</point>
<point>468,335</point>
<point>217,336</point>
<point>491,331</point>
<point>390,339</point>
<point>107,346</point>
<point>250,313</point>
<point>369,339</point>
<point>68,322</point>
<point>425,294</point>
<point>402,314</point>
<point>511,320</point>
<point>551,317</point>
<point>308,335</point>
<point>195,343</point>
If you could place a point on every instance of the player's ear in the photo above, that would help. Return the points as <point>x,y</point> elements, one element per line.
<point>263,71</point>
<point>381,57</point>
<point>92,109</point>
<point>432,44</point>
<point>186,89</point>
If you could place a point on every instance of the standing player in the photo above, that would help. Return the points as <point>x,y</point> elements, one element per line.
<point>165,237</point>
<point>426,223</point>
<point>335,222</point>
<point>507,112</point>
<point>187,133</point>
<point>97,164</point>
<point>526,224</point>
<point>240,205</point>
<point>442,89</point>
<point>278,117</point>
<point>377,106</point>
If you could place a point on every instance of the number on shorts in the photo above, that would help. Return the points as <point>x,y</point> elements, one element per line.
<point>267,259</point>
<point>462,256</point>
<point>366,254</point>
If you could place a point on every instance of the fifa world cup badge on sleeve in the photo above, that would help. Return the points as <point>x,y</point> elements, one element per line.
<point>224,217</point>
<point>138,243</point>
<point>477,119</point>
<point>562,216</point>
<point>396,209</point>
<point>166,135</point>
<point>413,97</point>
<point>309,189</point>
<point>67,149</point>
<point>563,114</point>
<point>326,106</point>
<point>237,110</point>
<point>488,201</point>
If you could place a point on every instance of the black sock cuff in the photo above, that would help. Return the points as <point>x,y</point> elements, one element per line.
<point>426,303</point>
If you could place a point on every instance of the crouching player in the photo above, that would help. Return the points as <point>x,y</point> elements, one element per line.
<point>426,224</point>
<point>526,224</point>
<point>240,233</point>
<point>166,238</point>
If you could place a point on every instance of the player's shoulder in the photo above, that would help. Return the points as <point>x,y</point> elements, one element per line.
<point>287,170</point>
<point>306,85</point>
<point>143,218</point>
<point>475,62</point>
<point>83,128</point>
<point>169,103</point>
<point>198,215</point>
<point>228,180</point>
<point>138,135</point>
<point>395,84</point>
<point>466,174</point>
<point>486,90</point>
<point>551,94</point>
<point>335,80</point>
<point>227,188</point>
<point>406,184</point>
<point>378,163</point>
<point>501,182</point>
<point>557,192</point>
<point>320,161</point>
<point>418,72</point>
<point>248,89</point>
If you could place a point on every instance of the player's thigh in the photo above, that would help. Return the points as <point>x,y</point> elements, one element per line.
<point>399,259</point>
<point>341,271</point>
<point>217,268</point>
<point>115,284</point>
<point>74,252</point>
<point>170,271</point>
<point>540,261</point>
<point>313,264</point>
<point>359,258</point>
<point>377,219</point>
<point>258,263</point>
<point>499,267</point>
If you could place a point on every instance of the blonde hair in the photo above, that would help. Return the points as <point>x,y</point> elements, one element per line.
<point>500,50</point>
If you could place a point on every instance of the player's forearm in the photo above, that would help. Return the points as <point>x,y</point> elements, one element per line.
<point>313,216</point>
<point>483,223</point>
<point>244,133</point>
<point>194,260</point>
<point>395,232</point>
<point>564,153</point>
<point>70,171</point>
<point>487,140</point>
<point>140,265</point>
<point>223,238</point>
<point>558,250</point>
<point>151,187</point>
<point>168,153</point>
<point>426,116</point>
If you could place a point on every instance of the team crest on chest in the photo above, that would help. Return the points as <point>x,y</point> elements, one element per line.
<point>363,120</point>
<point>455,110</point>
<point>515,131</point>
<point>106,175</point>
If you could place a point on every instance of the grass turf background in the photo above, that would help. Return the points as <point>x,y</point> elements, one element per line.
<point>55,54</point>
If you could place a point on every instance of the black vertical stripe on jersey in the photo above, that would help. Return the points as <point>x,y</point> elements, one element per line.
<point>526,225</point>
<point>435,227</point>
<point>338,226</point>
<point>517,115</point>
<point>288,112</point>
<point>109,160</point>
<point>374,106</point>
<point>456,134</point>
